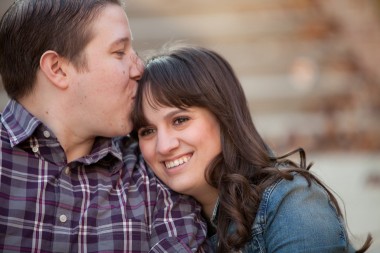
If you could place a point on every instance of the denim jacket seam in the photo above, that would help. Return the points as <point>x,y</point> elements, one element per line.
<point>258,226</point>
<point>340,219</point>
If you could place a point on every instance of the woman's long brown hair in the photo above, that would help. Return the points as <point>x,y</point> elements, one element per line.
<point>192,76</point>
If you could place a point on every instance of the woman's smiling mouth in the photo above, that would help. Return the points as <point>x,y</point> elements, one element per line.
<point>177,162</point>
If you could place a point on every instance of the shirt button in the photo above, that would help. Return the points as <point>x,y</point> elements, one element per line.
<point>63,218</point>
<point>46,134</point>
<point>35,149</point>
<point>67,170</point>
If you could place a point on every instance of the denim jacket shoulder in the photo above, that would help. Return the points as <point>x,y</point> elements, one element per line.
<point>295,217</point>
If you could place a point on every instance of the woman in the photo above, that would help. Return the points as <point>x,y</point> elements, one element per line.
<point>196,133</point>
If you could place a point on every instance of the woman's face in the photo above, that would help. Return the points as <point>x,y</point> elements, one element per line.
<point>179,145</point>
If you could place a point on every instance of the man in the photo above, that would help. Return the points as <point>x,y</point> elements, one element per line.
<point>66,184</point>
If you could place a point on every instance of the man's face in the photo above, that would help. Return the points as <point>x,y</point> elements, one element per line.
<point>104,92</point>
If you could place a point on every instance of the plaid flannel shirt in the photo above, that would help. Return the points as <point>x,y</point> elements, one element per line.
<point>108,201</point>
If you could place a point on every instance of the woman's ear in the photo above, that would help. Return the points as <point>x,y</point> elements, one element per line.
<point>54,67</point>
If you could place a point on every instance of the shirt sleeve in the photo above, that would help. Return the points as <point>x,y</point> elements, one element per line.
<point>176,221</point>
<point>302,219</point>
<point>177,225</point>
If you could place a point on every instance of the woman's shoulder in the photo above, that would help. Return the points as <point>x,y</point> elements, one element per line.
<point>298,200</point>
<point>298,187</point>
<point>294,211</point>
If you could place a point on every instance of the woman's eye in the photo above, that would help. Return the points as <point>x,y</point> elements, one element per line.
<point>180,120</point>
<point>145,131</point>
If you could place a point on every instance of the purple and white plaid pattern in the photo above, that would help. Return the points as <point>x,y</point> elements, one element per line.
<point>108,201</point>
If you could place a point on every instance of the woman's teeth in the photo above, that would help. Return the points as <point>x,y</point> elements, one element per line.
<point>177,162</point>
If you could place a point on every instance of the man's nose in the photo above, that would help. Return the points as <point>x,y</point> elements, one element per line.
<point>137,67</point>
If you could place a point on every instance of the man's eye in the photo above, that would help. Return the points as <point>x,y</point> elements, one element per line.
<point>120,53</point>
<point>180,120</point>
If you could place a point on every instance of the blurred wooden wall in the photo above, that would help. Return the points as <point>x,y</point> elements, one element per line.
<point>308,67</point>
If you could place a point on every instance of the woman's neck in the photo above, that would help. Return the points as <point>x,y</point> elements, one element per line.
<point>208,201</point>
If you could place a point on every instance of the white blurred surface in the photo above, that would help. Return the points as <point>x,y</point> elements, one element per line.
<point>355,178</point>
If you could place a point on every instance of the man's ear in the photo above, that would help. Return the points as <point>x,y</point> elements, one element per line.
<point>55,68</point>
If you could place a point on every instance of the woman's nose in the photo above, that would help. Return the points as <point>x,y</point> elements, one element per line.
<point>166,142</point>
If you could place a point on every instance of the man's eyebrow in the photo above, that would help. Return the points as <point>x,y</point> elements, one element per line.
<point>125,40</point>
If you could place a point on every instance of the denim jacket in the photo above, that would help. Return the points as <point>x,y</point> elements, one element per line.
<point>293,217</point>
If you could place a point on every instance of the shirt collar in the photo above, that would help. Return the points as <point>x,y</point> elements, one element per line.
<point>18,122</point>
<point>104,153</point>
<point>21,125</point>
<point>214,216</point>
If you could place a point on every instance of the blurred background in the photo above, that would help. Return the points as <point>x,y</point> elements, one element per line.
<point>310,70</point>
